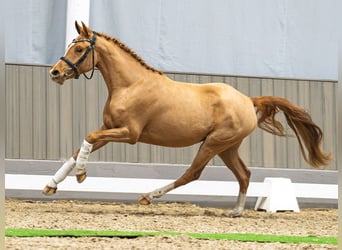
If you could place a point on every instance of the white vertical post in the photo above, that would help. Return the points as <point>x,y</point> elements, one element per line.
<point>339,132</point>
<point>77,10</point>
<point>2,124</point>
<point>339,126</point>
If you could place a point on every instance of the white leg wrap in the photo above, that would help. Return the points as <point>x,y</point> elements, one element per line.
<point>240,205</point>
<point>241,201</point>
<point>62,173</point>
<point>161,191</point>
<point>83,156</point>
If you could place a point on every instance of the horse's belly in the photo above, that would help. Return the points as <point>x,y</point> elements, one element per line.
<point>170,135</point>
<point>170,142</point>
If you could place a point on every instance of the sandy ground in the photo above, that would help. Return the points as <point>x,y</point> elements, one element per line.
<point>177,217</point>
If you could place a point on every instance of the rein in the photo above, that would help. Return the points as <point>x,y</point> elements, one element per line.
<point>83,57</point>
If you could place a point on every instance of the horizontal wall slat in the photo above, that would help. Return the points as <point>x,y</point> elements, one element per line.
<point>48,121</point>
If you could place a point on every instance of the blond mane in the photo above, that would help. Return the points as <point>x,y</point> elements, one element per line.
<point>130,51</point>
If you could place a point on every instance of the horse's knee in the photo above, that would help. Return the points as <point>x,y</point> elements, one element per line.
<point>91,138</point>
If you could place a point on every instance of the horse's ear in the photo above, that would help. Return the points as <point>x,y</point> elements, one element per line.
<point>86,30</point>
<point>78,27</point>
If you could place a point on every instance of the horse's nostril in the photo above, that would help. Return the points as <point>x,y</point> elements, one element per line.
<point>55,72</point>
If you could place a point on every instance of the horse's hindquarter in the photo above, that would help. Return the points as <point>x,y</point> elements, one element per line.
<point>185,114</point>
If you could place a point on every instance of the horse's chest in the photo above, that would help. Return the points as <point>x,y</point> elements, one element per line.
<point>114,114</point>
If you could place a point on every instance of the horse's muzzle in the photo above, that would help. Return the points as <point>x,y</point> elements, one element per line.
<point>59,77</point>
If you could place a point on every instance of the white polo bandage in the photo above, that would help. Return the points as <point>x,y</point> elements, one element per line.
<point>62,173</point>
<point>83,156</point>
<point>241,201</point>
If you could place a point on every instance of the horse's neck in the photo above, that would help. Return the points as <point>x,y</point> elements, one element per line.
<point>119,69</point>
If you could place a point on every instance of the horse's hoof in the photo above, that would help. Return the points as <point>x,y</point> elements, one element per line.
<point>49,190</point>
<point>144,200</point>
<point>233,214</point>
<point>81,177</point>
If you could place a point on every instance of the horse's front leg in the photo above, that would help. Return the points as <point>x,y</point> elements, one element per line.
<point>82,157</point>
<point>70,164</point>
<point>66,168</point>
<point>94,138</point>
<point>92,142</point>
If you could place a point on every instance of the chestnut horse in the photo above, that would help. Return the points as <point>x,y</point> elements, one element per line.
<point>144,105</point>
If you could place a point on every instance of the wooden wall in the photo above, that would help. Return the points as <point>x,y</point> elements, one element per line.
<point>48,121</point>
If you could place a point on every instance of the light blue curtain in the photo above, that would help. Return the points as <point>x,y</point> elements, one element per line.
<point>284,38</point>
<point>35,30</point>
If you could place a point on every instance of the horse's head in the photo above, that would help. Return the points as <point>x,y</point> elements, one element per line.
<point>79,58</point>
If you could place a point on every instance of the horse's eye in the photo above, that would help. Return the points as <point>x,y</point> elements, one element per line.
<point>79,49</point>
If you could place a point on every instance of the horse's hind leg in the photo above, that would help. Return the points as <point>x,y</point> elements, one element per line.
<point>203,156</point>
<point>231,158</point>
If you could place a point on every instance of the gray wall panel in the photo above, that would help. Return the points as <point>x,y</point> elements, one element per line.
<point>48,121</point>
<point>39,108</point>
<point>12,112</point>
<point>25,112</point>
<point>52,120</point>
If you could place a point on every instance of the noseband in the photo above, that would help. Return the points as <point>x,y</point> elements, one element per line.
<point>83,57</point>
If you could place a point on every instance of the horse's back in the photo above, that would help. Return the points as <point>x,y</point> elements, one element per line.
<point>225,97</point>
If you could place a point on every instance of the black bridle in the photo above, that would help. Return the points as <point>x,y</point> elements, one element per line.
<point>83,57</point>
